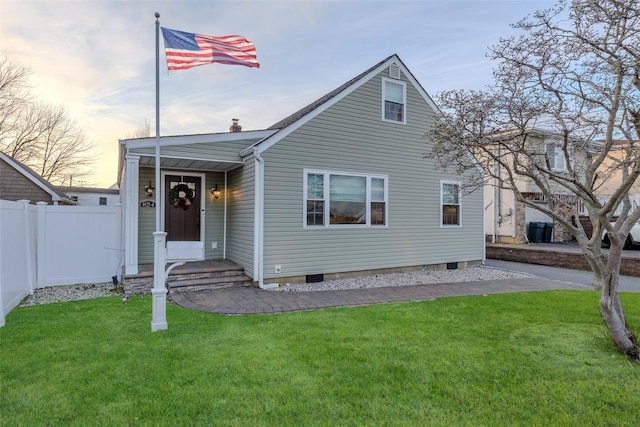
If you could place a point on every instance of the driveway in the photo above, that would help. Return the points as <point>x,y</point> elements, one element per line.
<point>580,277</point>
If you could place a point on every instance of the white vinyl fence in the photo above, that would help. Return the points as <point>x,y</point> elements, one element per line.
<point>47,245</point>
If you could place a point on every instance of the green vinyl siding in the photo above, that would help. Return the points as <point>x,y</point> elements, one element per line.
<point>240,215</point>
<point>146,217</point>
<point>214,216</point>
<point>351,137</point>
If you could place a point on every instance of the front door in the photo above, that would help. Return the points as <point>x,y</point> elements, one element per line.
<point>182,207</point>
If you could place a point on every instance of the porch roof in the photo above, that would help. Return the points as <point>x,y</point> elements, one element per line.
<point>189,164</point>
<point>210,152</point>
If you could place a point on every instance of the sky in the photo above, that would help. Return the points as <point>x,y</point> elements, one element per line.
<point>97,58</point>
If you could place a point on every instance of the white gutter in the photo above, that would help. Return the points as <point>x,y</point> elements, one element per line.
<point>258,239</point>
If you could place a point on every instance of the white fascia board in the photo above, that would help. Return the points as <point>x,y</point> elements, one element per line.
<point>197,139</point>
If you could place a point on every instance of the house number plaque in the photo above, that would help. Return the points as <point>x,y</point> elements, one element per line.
<point>148,204</point>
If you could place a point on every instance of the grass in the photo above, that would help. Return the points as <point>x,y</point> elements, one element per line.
<point>539,358</point>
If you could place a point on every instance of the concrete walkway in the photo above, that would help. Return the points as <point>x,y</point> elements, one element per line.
<point>248,300</point>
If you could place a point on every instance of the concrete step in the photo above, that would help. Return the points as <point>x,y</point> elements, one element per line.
<point>190,276</point>
<point>201,283</point>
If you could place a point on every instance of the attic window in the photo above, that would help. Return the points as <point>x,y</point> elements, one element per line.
<point>394,71</point>
<point>394,94</point>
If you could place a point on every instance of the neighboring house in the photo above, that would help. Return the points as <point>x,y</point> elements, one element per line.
<point>612,176</point>
<point>338,188</point>
<point>510,221</point>
<point>20,182</point>
<point>89,196</point>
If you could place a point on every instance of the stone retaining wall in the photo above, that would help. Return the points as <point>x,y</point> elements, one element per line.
<point>545,256</point>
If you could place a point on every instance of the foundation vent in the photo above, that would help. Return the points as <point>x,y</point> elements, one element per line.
<point>315,278</point>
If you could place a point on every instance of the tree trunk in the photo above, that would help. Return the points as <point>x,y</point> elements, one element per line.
<point>606,276</point>
<point>613,316</point>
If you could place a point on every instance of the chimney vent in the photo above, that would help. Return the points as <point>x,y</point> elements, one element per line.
<point>235,127</point>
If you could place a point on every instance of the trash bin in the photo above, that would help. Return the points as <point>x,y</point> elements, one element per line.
<point>548,232</point>
<point>536,230</point>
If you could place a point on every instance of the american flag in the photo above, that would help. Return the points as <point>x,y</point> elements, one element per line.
<point>186,50</point>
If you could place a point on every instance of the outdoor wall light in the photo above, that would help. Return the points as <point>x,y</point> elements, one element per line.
<point>215,192</point>
<point>148,190</point>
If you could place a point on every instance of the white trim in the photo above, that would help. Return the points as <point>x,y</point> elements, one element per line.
<point>326,195</point>
<point>130,212</point>
<point>194,159</point>
<point>203,195</point>
<point>459,184</point>
<point>210,138</point>
<point>258,215</point>
<point>386,80</point>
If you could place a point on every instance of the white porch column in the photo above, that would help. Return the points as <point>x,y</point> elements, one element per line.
<point>131,186</point>
<point>159,291</point>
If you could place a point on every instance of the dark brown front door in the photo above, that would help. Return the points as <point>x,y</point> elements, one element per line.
<point>182,208</point>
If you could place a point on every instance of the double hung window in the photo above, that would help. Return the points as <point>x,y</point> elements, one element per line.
<point>344,199</point>
<point>394,94</point>
<point>450,203</point>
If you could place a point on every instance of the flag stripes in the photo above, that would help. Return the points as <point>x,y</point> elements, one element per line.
<point>186,50</point>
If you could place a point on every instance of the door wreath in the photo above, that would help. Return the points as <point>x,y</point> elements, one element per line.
<point>181,196</point>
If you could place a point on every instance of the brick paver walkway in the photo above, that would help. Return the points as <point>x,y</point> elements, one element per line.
<point>248,300</point>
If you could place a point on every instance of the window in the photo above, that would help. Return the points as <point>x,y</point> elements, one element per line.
<point>450,203</point>
<point>344,199</point>
<point>555,154</point>
<point>378,204</point>
<point>393,97</point>
<point>103,201</point>
<point>315,199</point>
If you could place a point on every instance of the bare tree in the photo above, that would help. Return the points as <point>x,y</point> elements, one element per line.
<point>574,71</point>
<point>14,97</point>
<point>40,135</point>
<point>142,131</point>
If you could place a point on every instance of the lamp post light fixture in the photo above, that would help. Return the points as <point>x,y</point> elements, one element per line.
<point>148,190</point>
<point>215,192</point>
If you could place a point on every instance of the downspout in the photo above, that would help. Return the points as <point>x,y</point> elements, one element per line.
<point>259,223</point>
<point>484,224</point>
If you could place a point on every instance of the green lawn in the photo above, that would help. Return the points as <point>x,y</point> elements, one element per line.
<point>539,359</point>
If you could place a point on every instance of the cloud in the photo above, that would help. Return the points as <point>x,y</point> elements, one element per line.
<point>98,57</point>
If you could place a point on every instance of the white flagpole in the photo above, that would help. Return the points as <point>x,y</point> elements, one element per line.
<point>158,199</point>
<point>159,291</point>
